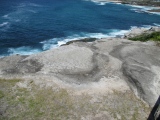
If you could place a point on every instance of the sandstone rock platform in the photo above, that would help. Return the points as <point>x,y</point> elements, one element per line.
<point>102,65</point>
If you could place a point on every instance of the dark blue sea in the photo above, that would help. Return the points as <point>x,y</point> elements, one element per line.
<point>31,26</point>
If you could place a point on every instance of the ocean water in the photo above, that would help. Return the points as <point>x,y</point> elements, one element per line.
<point>31,26</point>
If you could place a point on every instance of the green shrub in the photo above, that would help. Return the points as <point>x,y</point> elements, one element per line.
<point>155,36</point>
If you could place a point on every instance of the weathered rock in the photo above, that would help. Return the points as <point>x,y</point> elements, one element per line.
<point>17,64</point>
<point>113,60</point>
<point>139,62</point>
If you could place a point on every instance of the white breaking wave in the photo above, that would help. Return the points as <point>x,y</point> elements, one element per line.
<point>23,51</point>
<point>146,26</point>
<point>149,26</point>
<point>35,5</point>
<point>14,16</point>
<point>22,12</point>
<point>156,24</point>
<point>136,8</point>
<point>56,42</point>
<point>5,16</point>
<point>32,11</point>
<point>98,2</point>
<point>142,9</point>
<point>157,13</point>
<point>4,24</point>
<point>115,33</point>
<point>27,4</point>
<point>101,2</point>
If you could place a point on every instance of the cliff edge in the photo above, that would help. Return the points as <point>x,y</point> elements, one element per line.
<point>117,63</point>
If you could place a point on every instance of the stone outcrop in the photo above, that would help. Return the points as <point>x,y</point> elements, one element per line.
<point>134,63</point>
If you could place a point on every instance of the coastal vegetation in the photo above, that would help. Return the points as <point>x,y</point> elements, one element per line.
<point>154,36</point>
<point>39,103</point>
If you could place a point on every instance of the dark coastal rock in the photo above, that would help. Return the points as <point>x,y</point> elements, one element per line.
<point>81,40</point>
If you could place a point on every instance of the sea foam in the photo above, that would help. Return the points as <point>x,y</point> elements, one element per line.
<point>98,2</point>
<point>40,29</point>
<point>142,9</point>
<point>4,24</point>
<point>136,8</point>
<point>23,50</point>
<point>156,24</point>
<point>56,42</point>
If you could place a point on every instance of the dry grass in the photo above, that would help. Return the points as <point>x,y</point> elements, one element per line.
<point>126,106</point>
<point>35,103</point>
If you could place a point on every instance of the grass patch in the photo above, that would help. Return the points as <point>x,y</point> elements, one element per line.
<point>127,106</point>
<point>10,82</point>
<point>6,85</point>
<point>155,36</point>
<point>38,103</point>
<point>1,94</point>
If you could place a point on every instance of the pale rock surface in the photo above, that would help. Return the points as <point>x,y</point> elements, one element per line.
<point>95,68</point>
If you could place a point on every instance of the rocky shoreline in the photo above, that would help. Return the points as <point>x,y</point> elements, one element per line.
<point>135,2</point>
<point>110,63</point>
<point>142,2</point>
<point>151,3</point>
<point>98,79</point>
